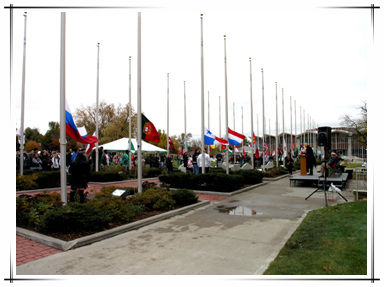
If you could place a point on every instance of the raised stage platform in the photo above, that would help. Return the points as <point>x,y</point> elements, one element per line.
<point>317,180</point>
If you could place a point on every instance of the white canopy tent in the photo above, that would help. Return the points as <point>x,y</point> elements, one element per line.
<point>121,145</point>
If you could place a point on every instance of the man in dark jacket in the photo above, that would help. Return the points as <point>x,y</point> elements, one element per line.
<point>80,173</point>
<point>310,159</point>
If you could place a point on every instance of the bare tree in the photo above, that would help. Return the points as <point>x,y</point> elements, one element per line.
<point>358,125</point>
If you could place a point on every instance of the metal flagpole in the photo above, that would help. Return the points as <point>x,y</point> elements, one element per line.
<point>284,141</point>
<point>301,127</point>
<point>277,131</point>
<point>304,125</point>
<point>295,125</point>
<point>21,130</point>
<point>250,80</point>
<point>185,119</point>
<point>220,117</point>
<point>234,128</point>
<point>97,111</point>
<point>130,118</point>
<point>262,74</point>
<point>167,114</point>
<point>291,122</point>
<point>269,135</point>
<point>202,99</point>
<point>63,141</point>
<point>209,147</point>
<point>226,102</point>
<point>242,121</point>
<point>257,136</point>
<point>139,131</point>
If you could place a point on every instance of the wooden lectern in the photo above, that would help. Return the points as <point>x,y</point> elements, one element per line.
<point>303,165</point>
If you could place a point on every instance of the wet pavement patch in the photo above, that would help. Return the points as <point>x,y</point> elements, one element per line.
<point>237,210</point>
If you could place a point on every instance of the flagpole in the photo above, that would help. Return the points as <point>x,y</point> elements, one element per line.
<point>262,74</point>
<point>130,120</point>
<point>21,130</point>
<point>282,97</point>
<point>291,121</point>
<point>97,111</point>
<point>301,127</point>
<point>63,141</point>
<point>269,135</point>
<point>234,128</point>
<point>250,81</point>
<point>304,125</point>
<point>139,131</point>
<point>209,147</point>
<point>185,119</point>
<point>226,102</point>
<point>220,117</point>
<point>202,98</point>
<point>277,132</point>
<point>257,136</point>
<point>295,125</point>
<point>168,114</point>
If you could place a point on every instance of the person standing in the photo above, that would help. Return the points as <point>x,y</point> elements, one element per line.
<point>207,160</point>
<point>80,172</point>
<point>289,163</point>
<point>169,163</point>
<point>194,161</point>
<point>310,159</point>
<point>125,160</point>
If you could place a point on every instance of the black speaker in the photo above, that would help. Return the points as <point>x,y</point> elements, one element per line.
<point>324,137</point>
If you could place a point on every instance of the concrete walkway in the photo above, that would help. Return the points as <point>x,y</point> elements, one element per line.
<point>238,235</point>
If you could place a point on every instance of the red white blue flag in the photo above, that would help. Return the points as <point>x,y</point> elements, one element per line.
<point>72,131</point>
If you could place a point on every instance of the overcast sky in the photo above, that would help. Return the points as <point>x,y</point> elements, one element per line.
<point>319,56</point>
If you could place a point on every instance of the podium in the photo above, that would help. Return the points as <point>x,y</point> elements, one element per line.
<point>303,165</point>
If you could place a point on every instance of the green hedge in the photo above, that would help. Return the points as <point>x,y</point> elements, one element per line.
<point>213,181</point>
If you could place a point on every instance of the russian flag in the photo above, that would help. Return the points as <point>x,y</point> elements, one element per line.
<point>72,131</point>
<point>210,139</point>
<point>234,137</point>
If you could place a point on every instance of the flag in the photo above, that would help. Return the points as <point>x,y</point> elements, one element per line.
<point>170,143</point>
<point>236,149</point>
<point>234,137</point>
<point>266,151</point>
<point>72,131</point>
<point>211,139</point>
<point>243,152</point>
<point>212,146</point>
<point>90,146</point>
<point>274,152</point>
<point>148,130</point>
<point>18,133</point>
<point>285,148</point>
<point>254,142</point>
<point>224,149</point>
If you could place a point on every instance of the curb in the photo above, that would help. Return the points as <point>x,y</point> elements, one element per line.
<point>230,193</point>
<point>67,245</point>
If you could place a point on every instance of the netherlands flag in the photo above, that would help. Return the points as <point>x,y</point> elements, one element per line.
<point>234,137</point>
<point>72,131</point>
<point>210,139</point>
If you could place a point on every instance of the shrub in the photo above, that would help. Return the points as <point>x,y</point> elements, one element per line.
<point>184,197</point>
<point>26,182</point>
<point>108,176</point>
<point>154,199</point>
<point>275,172</point>
<point>48,179</point>
<point>250,176</point>
<point>75,217</point>
<point>118,209</point>
<point>208,181</point>
<point>31,209</point>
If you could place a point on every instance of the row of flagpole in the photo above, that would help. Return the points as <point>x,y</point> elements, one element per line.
<point>139,124</point>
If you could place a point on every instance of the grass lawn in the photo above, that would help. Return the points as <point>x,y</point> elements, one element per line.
<point>329,241</point>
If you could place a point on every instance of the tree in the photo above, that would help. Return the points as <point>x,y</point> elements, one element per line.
<point>33,135</point>
<point>113,121</point>
<point>359,125</point>
<point>52,133</point>
<point>31,145</point>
